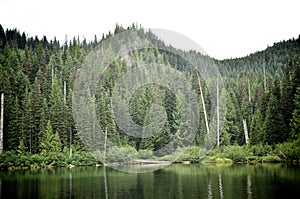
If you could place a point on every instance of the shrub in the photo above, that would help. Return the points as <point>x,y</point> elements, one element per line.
<point>260,150</point>
<point>235,153</point>
<point>271,158</point>
<point>289,151</point>
<point>121,155</point>
<point>191,154</point>
<point>144,154</point>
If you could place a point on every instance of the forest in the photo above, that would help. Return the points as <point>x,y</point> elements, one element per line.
<point>37,75</point>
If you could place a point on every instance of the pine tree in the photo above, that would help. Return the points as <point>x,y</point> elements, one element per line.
<point>57,110</point>
<point>290,82</point>
<point>50,143</point>
<point>44,117</point>
<point>231,123</point>
<point>2,37</point>
<point>15,125</point>
<point>295,122</point>
<point>22,148</point>
<point>229,128</point>
<point>36,114</point>
<point>28,119</point>
<point>274,122</point>
<point>257,128</point>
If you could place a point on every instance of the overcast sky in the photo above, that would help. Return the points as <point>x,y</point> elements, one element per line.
<point>223,28</point>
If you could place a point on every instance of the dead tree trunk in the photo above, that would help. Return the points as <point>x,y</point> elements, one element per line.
<point>203,104</point>
<point>105,143</point>
<point>246,131</point>
<point>218,114</point>
<point>1,122</point>
<point>65,92</point>
<point>265,79</point>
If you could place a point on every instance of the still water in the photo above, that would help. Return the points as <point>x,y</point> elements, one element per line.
<point>175,181</point>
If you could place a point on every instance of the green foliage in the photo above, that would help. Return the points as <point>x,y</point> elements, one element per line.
<point>121,155</point>
<point>229,128</point>
<point>260,150</point>
<point>145,154</point>
<point>257,128</point>
<point>13,160</point>
<point>261,89</point>
<point>289,151</point>
<point>50,143</point>
<point>21,148</point>
<point>295,122</point>
<point>274,123</point>
<point>235,153</point>
<point>270,158</point>
<point>191,154</point>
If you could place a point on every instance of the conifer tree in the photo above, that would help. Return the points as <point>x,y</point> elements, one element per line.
<point>295,122</point>
<point>57,110</point>
<point>50,143</point>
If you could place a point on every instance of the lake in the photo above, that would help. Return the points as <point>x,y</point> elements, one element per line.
<point>174,181</point>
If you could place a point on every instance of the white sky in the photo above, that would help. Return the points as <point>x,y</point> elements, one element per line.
<point>223,28</point>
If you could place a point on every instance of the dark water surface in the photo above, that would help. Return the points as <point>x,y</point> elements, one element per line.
<point>175,181</point>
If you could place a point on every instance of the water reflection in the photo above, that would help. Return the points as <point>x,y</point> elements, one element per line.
<point>220,186</point>
<point>249,190</point>
<point>105,182</point>
<point>70,186</point>
<point>209,196</point>
<point>175,181</point>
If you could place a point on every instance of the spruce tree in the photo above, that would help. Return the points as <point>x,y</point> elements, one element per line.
<point>57,110</point>
<point>274,122</point>
<point>295,122</point>
<point>50,143</point>
<point>257,127</point>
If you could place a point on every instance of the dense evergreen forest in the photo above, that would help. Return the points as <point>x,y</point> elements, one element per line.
<point>37,78</point>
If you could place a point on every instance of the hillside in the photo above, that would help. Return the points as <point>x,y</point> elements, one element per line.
<point>259,94</point>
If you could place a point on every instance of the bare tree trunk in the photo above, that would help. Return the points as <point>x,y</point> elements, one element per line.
<point>245,131</point>
<point>71,139</point>
<point>203,104</point>
<point>105,142</point>
<point>52,76</point>
<point>249,91</point>
<point>1,122</point>
<point>249,96</point>
<point>218,114</point>
<point>265,80</point>
<point>30,141</point>
<point>65,92</point>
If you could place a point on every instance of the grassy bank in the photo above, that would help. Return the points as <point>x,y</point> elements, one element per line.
<point>288,152</point>
<point>10,160</point>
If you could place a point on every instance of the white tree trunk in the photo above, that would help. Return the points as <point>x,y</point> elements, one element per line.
<point>249,91</point>
<point>105,143</point>
<point>265,80</point>
<point>203,104</point>
<point>71,139</point>
<point>1,122</point>
<point>65,92</point>
<point>245,131</point>
<point>218,114</point>
<point>52,76</point>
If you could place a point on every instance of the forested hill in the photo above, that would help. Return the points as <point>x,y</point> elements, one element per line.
<point>37,77</point>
